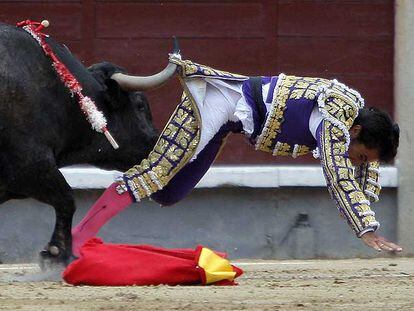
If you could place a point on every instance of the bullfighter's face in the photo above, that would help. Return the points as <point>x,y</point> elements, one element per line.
<point>359,153</point>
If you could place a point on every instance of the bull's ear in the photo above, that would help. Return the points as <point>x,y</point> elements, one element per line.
<point>115,97</point>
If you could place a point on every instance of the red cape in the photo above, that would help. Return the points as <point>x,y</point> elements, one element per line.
<point>122,264</point>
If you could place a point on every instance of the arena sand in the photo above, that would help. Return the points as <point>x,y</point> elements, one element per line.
<point>368,284</point>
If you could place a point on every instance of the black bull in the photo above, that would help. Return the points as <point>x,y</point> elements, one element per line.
<point>42,127</point>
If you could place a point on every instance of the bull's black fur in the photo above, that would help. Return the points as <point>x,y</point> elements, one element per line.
<point>43,129</point>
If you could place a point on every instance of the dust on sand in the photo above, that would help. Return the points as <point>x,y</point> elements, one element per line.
<point>368,284</point>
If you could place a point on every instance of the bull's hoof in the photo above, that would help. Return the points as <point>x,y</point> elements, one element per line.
<point>51,259</point>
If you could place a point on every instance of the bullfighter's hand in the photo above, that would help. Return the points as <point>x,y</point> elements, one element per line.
<point>380,243</point>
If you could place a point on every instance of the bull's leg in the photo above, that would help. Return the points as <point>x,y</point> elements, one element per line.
<point>4,197</point>
<point>4,194</point>
<point>41,180</point>
<point>56,192</point>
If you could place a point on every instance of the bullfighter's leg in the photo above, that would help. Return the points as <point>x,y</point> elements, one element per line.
<point>111,203</point>
<point>188,177</point>
<point>217,113</point>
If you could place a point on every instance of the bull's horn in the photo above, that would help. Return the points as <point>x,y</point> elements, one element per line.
<point>136,83</point>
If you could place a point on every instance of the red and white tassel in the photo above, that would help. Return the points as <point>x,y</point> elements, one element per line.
<point>95,117</point>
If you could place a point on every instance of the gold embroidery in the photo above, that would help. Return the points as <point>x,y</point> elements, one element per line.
<point>341,108</point>
<point>284,149</point>
<point>275,118</point>
<point>296,94</point>
<point>307,87</point>
<point>355,196</point>
<point>368,179</point>
<point>176,145</point>
<point>302,150</point>
<point>190,68</point>
<point>341,181</point>
<point>312,91</point>
<point>347,186</point>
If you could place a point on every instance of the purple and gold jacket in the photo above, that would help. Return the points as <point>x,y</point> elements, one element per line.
<point>285,131</point>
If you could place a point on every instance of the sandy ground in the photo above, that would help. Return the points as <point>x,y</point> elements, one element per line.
<point>373,284</point>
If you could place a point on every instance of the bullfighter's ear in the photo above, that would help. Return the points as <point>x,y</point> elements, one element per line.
<point>115,97</point>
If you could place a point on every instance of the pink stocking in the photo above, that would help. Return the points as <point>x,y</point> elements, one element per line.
<point>109,204</point>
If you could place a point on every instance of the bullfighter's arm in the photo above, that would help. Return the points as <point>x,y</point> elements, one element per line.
<point>339,175</point>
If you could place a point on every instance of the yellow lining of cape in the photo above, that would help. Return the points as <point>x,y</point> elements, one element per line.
<point>216,268</point>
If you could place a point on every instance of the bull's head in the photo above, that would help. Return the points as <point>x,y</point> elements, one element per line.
<point>128,114</point>
<point>129,120</point>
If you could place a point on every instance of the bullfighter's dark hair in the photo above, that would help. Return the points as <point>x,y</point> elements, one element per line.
<point>378,131</point>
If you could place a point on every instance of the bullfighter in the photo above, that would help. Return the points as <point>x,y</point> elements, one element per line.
<point>285,115</point>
